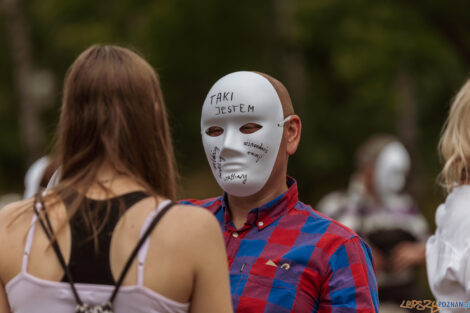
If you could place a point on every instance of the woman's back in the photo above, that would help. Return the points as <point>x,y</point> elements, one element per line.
<point>113,138</point>
<point>184,251</point>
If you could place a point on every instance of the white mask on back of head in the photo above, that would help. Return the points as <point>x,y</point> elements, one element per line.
<point>242,161</point>
<point>391,169</point>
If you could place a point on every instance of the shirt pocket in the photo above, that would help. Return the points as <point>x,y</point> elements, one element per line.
<point>270,287</point>
<point>280,273</point>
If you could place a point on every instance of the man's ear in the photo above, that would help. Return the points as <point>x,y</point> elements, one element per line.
<point>292,130</point>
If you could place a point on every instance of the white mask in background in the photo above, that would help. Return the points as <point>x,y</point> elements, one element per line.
<point>55,179</point>
<point>240,161</point>
<point>391,169</point>
<point>34,176</point>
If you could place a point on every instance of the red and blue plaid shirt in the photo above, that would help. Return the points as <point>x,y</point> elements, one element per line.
<point>290,258</point>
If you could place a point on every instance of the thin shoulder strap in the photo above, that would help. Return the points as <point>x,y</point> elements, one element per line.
<point>49,231</point>
<point>137,248</point>
<point>29,243</point>
<point>145,248</point>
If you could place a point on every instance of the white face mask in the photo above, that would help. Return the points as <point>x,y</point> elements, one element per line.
<point>236,105</point>
<point>391,169</point>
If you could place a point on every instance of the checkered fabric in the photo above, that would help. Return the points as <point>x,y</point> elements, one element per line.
<point>290,258</point>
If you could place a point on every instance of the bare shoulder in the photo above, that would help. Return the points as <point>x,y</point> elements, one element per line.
<point>15,219</point>
<point>15,213</point>
<point>20,213</point>
<point>193,216</point>
<point>191,223</point>
<point>193,212</point>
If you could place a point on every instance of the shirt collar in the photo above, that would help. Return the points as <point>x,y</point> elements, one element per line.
<point>267,213</point>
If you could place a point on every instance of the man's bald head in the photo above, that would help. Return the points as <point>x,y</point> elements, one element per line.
<point>282,93</point>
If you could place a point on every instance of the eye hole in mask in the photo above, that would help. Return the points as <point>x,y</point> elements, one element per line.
<point>250,128</point>
<point>214,131</point>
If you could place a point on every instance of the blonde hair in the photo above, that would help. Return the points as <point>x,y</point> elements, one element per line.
<point>454,144</point>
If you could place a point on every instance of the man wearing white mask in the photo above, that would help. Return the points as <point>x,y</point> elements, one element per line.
<point>283,255</point>
<point>376,207</point>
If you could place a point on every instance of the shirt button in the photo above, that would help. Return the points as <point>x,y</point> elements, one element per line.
<point>260,224</point>
<point>235,235</point>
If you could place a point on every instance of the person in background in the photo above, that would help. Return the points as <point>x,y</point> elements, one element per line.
<point>38,175</point>
<point>283,255</point>
<point>72,247</point>
<point>36,179</point>
<point>447,251</point>
<point>377,208</point>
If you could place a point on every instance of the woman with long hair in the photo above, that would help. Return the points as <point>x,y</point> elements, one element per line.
<point>108,238</point>
<point>447,251</point>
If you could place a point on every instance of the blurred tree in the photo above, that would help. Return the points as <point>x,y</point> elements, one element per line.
<point>31,130</point>
<point>373,67</point>
<point>352,68</point>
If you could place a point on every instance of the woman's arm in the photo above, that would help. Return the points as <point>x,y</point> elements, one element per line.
<point>211,292</point>
<point>4,306</point>
<point>4,219</point>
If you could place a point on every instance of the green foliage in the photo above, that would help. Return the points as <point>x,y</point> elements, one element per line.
<point>346,55</point>
<point>355,51</point>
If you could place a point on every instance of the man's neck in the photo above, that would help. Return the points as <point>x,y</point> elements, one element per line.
<point>241,206</point>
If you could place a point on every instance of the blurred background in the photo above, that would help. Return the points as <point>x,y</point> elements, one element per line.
<point>353,68</point>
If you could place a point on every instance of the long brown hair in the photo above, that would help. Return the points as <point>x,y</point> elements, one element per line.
<point>113,113</point>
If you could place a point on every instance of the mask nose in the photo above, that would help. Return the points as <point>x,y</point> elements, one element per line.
<point>233,144</point>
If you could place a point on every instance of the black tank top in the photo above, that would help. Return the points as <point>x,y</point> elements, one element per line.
<point>86,264</point>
